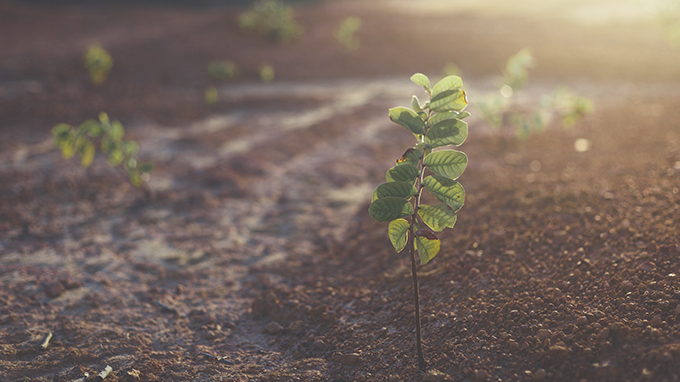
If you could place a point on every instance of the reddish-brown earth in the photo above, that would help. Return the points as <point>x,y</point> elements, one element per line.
<point>257,246</point>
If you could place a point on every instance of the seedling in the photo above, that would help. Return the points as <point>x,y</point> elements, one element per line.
<point>211,95</point>
<point>267,73</point>
<point>81,141</point>
<point>272,19</point>
<point>346,34</point>
<point>436,124</point>
<point>502,107</point>
<point>98,63</point>
<point>222,70</point>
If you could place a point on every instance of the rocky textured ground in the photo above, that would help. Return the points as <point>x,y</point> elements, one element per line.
<point>257,246</point>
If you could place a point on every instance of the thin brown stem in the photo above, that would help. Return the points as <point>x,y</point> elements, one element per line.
<point>148,194</point>
<point>422,365</point>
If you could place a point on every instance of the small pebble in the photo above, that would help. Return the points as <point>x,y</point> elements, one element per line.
<point>583,320</point>
<point>318,344</point>
<point>296,325</point>
<point>647,266</point>
<point>473,272</point>
<point>350,359</point>
<point>603,334</point>
<point>647,374</point>
<point>543,334</point>
<point>434,376</point>
<point>558,351</point>
<point>540,375</point>
<point>481,375</point>
<point>558,335</point>
<point>179,289</point>
<point>626,285</point>
<point>54,289</point>
<point>273,327</point>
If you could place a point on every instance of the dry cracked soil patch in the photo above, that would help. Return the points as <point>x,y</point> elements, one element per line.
<point>257,247</point>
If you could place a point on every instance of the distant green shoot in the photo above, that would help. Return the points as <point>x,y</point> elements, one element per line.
<point>222,70</point>
<point>503,108</point>
<point>272,19</point>
<point>267,73</point>
<point>98,63</point>
<point>80,141</point>
<point>211,95</point>
<point>430,166</point>
<point>346,34</point>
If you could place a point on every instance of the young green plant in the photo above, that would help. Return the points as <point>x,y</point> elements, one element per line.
<point>81,141</point>
<point>435,124</point>
<point>502,108</point>
<point>346,34</point>
<point>272,19</point>
<point>98,63</point>
<point>222,69</point>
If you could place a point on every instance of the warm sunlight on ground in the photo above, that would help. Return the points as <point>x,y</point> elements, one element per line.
<point>585,11</point>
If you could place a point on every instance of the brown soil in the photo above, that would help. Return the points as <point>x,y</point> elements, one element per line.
<point>257,246</point>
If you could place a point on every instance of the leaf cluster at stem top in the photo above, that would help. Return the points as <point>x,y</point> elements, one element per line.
<point>435,124</point>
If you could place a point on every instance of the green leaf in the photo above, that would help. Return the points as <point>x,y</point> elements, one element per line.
<point>88,127</point>
<point>404,172</point>
<point>68,149</point>
<point>415,104</point>
<point>87,154</point>
<point>130,148</point>
<point>427,245</point>
<point>388,209</point>
<point>438,217</point>
<point>95,131</point>
<point>110,145</point>
<point>79,143</point>
<point>452,114</point>
<point>398,233</point>
<point>146,167</point>
<point>394,189</point>
<point>448,163</point>
<point>135,179</point>
<point>411,156</point>
<point>408,118</point>
<point>61,132</point>
<point>447,83</point>
<point>116,157</point>
<point>104,118</point>
<point>449,100</point>
<point>447,132</point>
<point>422,80</point>
<point>447,191</point>
<point>117,130</point>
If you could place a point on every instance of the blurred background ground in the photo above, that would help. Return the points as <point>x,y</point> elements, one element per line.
<point>562,266</point>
